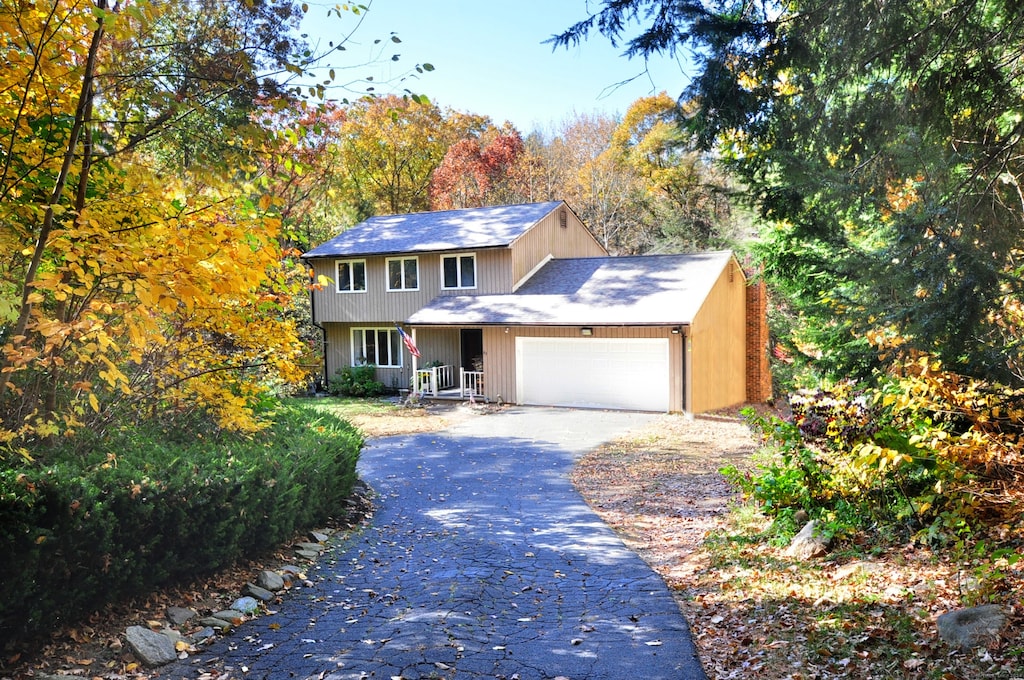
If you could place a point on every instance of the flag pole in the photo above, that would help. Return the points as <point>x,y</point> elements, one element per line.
<point>415,376</point>
<point>410,344</point>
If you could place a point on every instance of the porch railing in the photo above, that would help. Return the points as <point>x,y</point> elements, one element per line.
<point>471,383</point>
<point>430,380</point>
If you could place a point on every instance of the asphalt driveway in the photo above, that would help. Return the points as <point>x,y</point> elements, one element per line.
<point>481,562</point>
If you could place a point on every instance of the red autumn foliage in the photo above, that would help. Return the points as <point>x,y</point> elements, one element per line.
<point>471,170</point>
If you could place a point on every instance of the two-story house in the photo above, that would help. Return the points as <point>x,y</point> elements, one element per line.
<point>521,304</point>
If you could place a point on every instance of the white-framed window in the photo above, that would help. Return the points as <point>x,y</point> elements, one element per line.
<point>351,276</point>
<point>403,273</point>
<point>378,346</point>
<point>458,271</point>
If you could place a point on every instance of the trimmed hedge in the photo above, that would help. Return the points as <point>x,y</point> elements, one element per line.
<point>142,511</point>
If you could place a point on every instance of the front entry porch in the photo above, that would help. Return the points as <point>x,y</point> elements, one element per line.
<point>449,365</point>
<point>438,382</point>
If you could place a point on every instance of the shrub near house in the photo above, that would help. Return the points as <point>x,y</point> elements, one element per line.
<point>356,381</point>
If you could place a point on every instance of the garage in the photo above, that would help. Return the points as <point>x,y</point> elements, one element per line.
<point>615,373</point>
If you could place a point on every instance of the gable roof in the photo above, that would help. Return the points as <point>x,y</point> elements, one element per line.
<point>637,290</point>
<point>469,229</point>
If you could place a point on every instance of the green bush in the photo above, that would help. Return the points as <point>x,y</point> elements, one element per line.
<point>141,510</point>
<point>356,381</point>
<point>815,462</point>
<point>927,457</point>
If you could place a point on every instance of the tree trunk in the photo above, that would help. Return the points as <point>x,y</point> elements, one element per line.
<point>82,111</point>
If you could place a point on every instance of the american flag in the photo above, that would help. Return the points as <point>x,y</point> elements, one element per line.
<point>408,342</point>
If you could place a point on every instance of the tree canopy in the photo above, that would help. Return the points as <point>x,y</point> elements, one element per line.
<point>881,143</point>
<point>685,197</point>
<point>478,171</point>
<point>390,147</point>
<point>145,269</point>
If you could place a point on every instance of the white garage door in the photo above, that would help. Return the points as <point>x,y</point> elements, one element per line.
<point>616,373</point>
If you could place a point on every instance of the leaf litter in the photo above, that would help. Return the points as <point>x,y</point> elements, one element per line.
<point>750,611</point>
<point>865,611</point>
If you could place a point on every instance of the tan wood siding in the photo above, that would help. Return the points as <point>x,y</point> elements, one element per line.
<point>435,344</point>
<point>438,344</point>
<point>379,305</point>
<point>338,354</point>
<point>718,344</point>
<point>493,273</point>
<point>337,347</point>
<point>499,364</point>
<point>548,237</point>
<point>500,355</point>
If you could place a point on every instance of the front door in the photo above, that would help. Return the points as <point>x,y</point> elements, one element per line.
<point>472,340</point>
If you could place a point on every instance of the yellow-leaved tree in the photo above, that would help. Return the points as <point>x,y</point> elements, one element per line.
<point>142,271</point>
<point>391,146</point>
<point>686,195</point>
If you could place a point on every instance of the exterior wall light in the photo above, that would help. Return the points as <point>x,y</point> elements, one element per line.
<point>586,331</point>
<point>676,330</point>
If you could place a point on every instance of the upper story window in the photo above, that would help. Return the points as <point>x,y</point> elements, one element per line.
<point>403,273</point>
<point>351,276</point>
<point>458,271</point>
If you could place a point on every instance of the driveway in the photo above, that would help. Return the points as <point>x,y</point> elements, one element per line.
<point>481,561</point>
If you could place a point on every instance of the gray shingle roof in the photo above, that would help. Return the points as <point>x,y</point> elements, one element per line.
<point>473,228</point>
<point>640,290</point>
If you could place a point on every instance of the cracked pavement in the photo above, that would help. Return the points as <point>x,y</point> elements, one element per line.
<point>480,561</point>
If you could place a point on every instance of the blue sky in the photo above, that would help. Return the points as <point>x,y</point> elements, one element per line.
<point>489,60</point>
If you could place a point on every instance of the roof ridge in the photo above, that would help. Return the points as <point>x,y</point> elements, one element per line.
<point>460,210</point>
<point>648,256</point>
<point>495,226</point>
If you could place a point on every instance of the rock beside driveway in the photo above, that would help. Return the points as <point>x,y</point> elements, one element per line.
<point>261,594</point>
<point>180,615</point>
<point>149,647</point>
<point>809,543</point>
<point>270,580</point>
<point>973,627</point>
<point>185,629</point>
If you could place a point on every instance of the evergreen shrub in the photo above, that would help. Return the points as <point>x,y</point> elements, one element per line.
<point>142,509</point>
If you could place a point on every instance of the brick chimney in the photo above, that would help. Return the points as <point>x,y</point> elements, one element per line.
<point>759,372</point>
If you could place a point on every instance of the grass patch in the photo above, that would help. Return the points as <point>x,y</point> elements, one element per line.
<point>349,408</point>
<point>385,418</point>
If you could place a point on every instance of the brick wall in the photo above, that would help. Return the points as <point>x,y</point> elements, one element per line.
<point>759,372</point>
